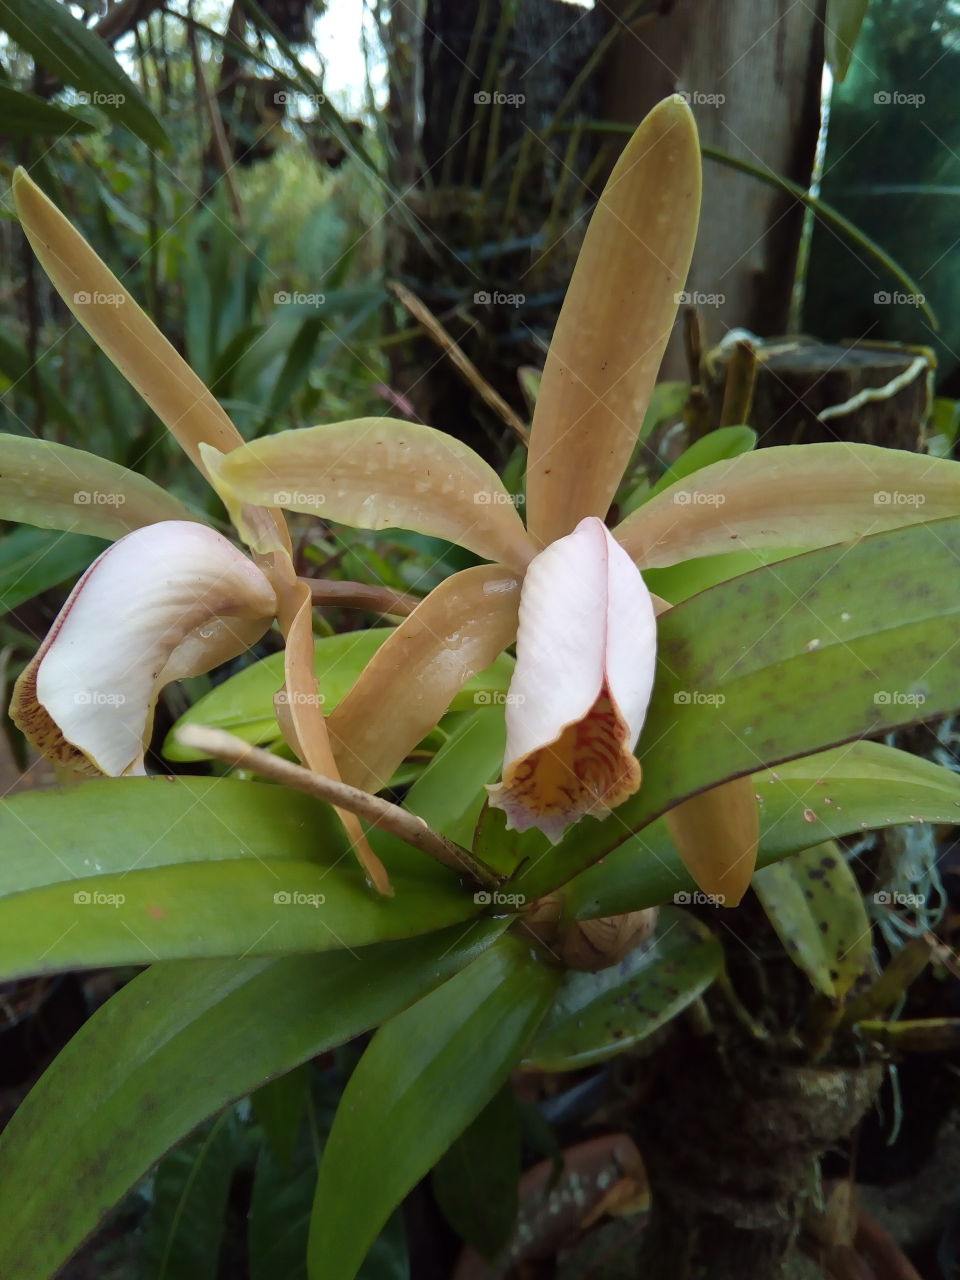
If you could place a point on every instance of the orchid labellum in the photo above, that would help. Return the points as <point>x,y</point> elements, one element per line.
<point>567,590</point>
<point>586,645</point>
<point>168,601</point>
<point>171,598</point>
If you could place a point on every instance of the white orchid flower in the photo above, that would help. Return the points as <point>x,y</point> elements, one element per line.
<point>569,592</point>
<point>174,598</point>
<point>171,600</point>
<point>563,588</point>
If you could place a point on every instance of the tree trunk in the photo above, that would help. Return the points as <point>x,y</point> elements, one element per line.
<point>731,1138</point>
<point>808,392</point>
<point>752,73</point>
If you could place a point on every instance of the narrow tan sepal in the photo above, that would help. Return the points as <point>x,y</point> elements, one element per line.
<point>300,712</point>
<point>717,833</point>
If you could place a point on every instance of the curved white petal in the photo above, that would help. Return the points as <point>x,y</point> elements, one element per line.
<point>168,601</point>
<point>586,654</point>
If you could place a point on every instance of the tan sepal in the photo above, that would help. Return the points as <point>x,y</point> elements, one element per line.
<point>456,631</point>
<point>716,834</point>
<point>614,324</point>
<point>299,710</point>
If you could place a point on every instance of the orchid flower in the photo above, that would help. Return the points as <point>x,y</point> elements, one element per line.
<point>564,589</point>
<point>180,599</point>
<point>569,591</point>
<point>172,598</point>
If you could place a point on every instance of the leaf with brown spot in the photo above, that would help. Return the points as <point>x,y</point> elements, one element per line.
<point>597,1015</point>
<point>815,905</point>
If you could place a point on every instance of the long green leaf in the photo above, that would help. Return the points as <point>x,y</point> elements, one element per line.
<point>191,1187</point>
<point>423,1078</point>
<point>689,577</point>
<point>717,446</point>
<point>133,870</point>
<point>33,560</point>
<point>296,366</point>
<point>24,115</point>
<point>450,792</point>
<point>841,28</point>
<point>841,643</point>
<point>56,487</point>
<point>51,33</point>
<point>475,1182</point>
<point>835,793</point>
<point>282,1200</point>
<point>279,1108</point>
<point>117,1098</point>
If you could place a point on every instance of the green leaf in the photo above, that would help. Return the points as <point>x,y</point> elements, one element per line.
<point>669,399</point>
<point>56,487</point>
<point>854,788</point>
<point>279,1217</point>
<point>832,794</point>
<point>815,905</point>
<point>296,366</point>
<point>24,115</point>
<point>716,446</point>
<point>506,851</point>
<point>598,1015</point>
<point>173,1047</point>
<point>282,1200</point>
<point>424,1077</point>
<point>475,1182</point>
<point>946,418</point>
<point>130,870</point>
<point>841,28</point>
<point>841,643</point>
<point>190,1191</point>
<point>61,44</point>
<point>279,1108</point>
<point>244,703</point>
<point>725,442</point>
<point>450,792</point>
<point>689,577</point>
<point>34,560</point>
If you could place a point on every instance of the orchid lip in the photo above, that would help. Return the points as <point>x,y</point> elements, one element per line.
<point>586,651</point>
<point>171,600</point>
<point>587,771</point>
